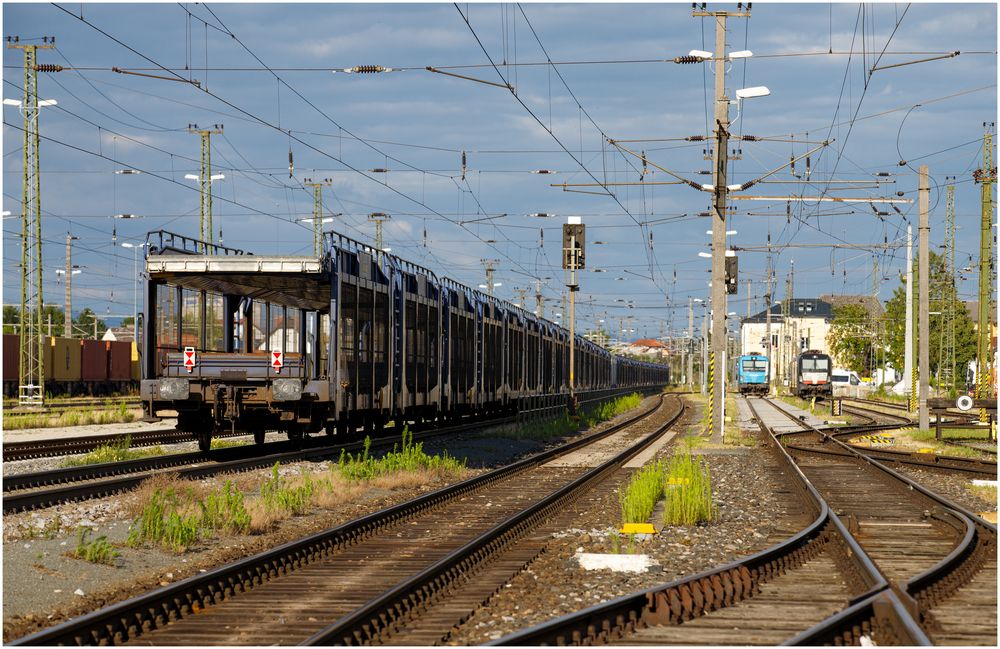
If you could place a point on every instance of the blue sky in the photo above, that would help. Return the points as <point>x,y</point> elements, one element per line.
<point>613,77</point>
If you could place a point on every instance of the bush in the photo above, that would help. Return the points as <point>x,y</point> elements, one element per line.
<point>688,490</point>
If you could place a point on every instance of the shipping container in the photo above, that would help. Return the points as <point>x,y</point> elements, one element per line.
<point>65,364</point>
<point>11,357</point>
<point>119,361</point>
<point>94,360</point>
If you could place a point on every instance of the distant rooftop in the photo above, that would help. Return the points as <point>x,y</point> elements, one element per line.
<point>801,307</point>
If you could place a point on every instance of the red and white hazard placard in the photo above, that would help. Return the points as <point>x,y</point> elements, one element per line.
<point>189,358</point>
<point>277,360</point>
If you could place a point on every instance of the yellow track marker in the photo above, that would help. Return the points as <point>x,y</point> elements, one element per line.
<point>638,528</point>
<point>990,516</point>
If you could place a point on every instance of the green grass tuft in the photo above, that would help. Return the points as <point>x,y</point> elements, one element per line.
<point>410,457</point>
<point>643,491</point>
<point>688,490</point>
<point>97,551</point>
<point>117,451</point>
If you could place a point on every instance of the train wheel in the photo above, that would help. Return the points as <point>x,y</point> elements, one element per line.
<point>258,436</point>
<point>205,441</point>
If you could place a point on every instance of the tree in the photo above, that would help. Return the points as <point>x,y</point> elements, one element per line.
<point>944,300</point>
<point>851,338</point>
<point>12,319</point>
<point>85,322</point>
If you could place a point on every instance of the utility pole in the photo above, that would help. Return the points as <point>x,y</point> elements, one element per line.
<point>317,212</point>
<point>785,345</point>
<point>749,298</point>
<point>490,265</point>
<point>205,179</point>
<point>909,373</point>
<point>31,383</point>
<point>68,313</point>
<point>378,218</point>
<point>720,194</point>
<point>872,319</point>
<point>690,345</point>
<point>923,282</point>
<point>704,353</point>
<point>947,362</point>
<point>985,177</point>
<point>573,260</point>
<point>539,299</point>
<point>521,293</point>
<point>767,326</point>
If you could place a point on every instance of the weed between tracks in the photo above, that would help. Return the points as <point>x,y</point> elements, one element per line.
<point>683,482</point>
<point>97,551</point>
<point>176,514</point>
<point>117,451</point>
<point>119,414</point>
<point>566,423</point>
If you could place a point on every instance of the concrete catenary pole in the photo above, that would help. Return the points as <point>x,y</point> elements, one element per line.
<point>767,326</point>
<point>690,346</point>
<point>719,179</point>
<point>68,313</point>
<point>923,282</point>
<point>908,335</point>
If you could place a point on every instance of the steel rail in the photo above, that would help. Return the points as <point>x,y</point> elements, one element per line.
<point>33,449</point>
<point>126,620</point>
<point>139,470</point>
<point>381,615</point>
<point>689,597</point>
<point>979,539</point>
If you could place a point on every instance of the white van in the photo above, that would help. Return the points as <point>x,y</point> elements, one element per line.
<point>848,384</point>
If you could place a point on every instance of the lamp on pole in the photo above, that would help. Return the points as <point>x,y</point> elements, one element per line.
<point>573,259</point>
<point>135,247</point>
<point>720,191</point>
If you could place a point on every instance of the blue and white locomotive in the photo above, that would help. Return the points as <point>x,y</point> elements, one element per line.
<point>752,374</point>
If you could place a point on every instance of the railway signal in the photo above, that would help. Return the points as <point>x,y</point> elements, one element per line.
<point>277,360</point>
<point>189,358</point>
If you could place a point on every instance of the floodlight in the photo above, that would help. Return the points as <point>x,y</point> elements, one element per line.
<point>741,54</point>
<point>701,54</point>
<point>755,91</point>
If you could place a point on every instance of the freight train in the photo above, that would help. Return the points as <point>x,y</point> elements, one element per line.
<point>752,374</point>
<point>812,375</point>
<point>350,339</point>
<point>75,367</point>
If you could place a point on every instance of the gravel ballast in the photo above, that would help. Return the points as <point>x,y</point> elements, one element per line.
<point>42,580</point>
<point>750,517</point>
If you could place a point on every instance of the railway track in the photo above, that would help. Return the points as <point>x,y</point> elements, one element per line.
<point>938,553</point>
<point>28,491</point>
<point>102,403</point>
<point>979,445</point>
<point>46,488</point>
<point>33,449</point>
<point>370,579</point>
<point>859,562</point>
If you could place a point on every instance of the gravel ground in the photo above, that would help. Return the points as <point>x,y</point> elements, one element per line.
<point>953,487</point>
<point>43,585</point>
<point>748,516</point>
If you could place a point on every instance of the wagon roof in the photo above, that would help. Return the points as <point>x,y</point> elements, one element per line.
<point>295,281</point>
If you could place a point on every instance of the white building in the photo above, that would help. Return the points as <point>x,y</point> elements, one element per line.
<point>807,326</point>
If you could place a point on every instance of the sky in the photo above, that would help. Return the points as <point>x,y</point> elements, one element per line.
<point>582,74</point>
